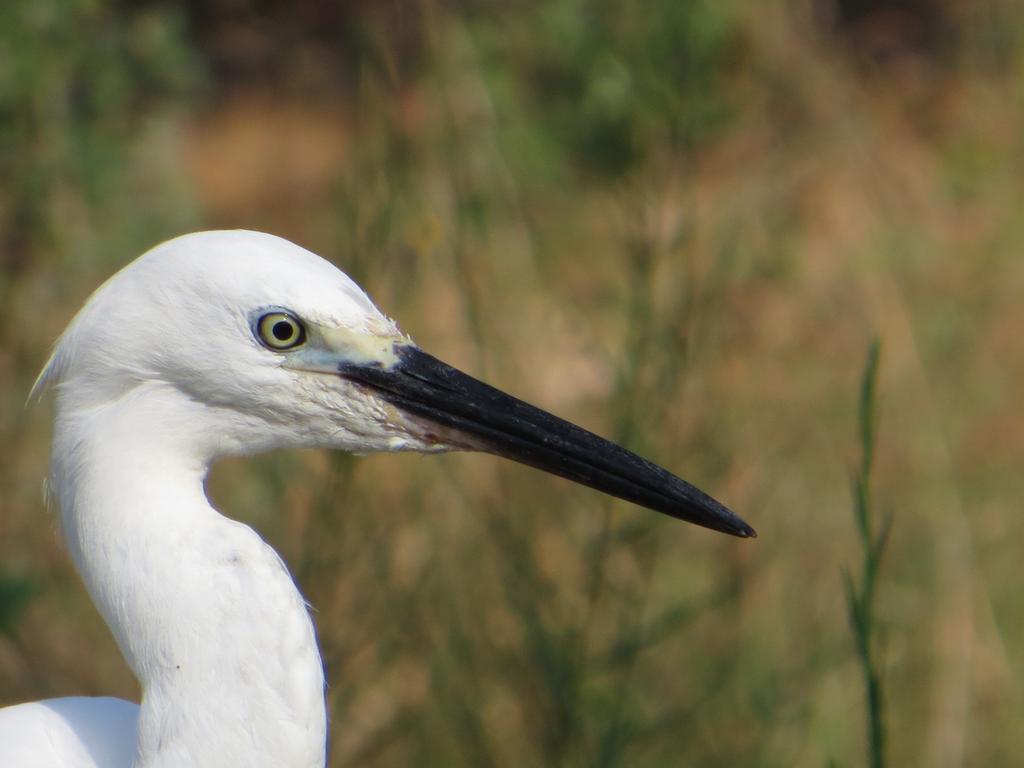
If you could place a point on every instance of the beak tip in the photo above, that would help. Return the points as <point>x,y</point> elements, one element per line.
<point>716,516</point>
<point>735,527</point>
<point>724,520</point>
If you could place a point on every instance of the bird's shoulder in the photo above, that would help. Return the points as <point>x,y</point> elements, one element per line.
<point>73,732</point>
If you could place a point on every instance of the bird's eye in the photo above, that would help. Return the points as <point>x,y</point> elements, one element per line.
<point>280,331</point>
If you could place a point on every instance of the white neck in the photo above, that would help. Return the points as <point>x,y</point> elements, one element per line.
<point>203,610</point>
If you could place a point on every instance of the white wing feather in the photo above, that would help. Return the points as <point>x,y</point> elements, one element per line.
<point>74,732</point>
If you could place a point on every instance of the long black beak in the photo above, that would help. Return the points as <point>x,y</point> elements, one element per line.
<point>493,421</point>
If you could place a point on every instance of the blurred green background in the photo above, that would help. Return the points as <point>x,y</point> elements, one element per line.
<point>679,223</point>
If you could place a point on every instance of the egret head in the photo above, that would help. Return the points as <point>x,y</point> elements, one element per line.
<point>236,342</point>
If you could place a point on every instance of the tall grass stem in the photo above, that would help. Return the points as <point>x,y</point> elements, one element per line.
<point>860,596</point>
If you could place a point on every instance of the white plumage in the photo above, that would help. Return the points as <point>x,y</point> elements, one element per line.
<point>76,731</point>
<point>227,343</point>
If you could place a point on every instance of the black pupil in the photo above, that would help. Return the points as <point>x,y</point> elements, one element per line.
<point>283,330</point>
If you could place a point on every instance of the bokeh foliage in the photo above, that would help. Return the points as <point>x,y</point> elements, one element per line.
<point>678,223</point>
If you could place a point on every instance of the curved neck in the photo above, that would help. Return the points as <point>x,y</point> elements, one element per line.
<point>204,611</point>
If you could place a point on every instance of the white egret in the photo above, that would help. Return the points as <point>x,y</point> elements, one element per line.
<point>228,343</point>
